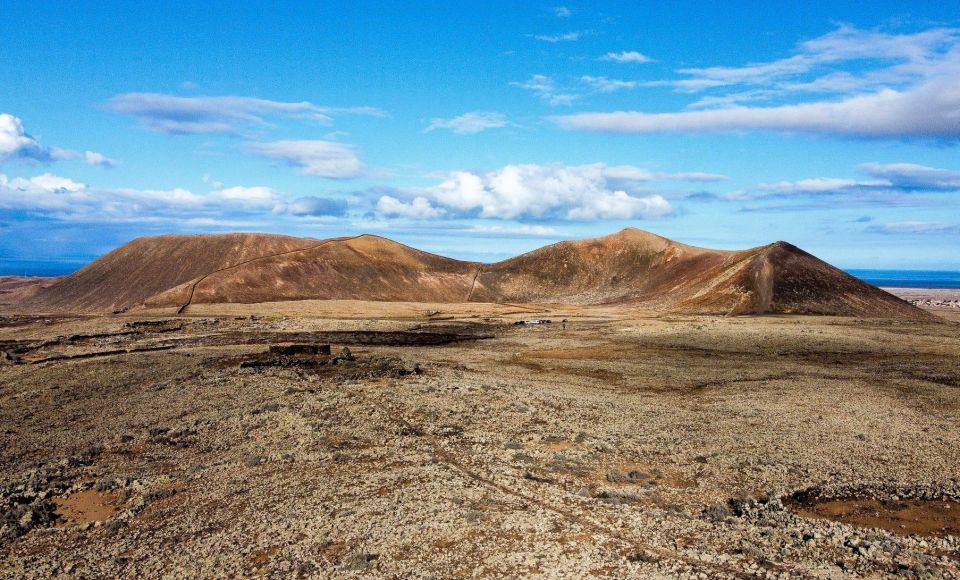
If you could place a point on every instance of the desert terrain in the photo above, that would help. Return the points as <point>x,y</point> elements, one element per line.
<point>449,439</point>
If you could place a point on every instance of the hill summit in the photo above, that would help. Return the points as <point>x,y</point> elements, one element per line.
<point>631,268</point>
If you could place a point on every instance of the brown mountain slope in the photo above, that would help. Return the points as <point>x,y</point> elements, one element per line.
<point>16,289</point>
<point>631,267</point>
<point>628,266</point>
<point>781,278</point>
<point>364,267</point>
<point>148,266</point>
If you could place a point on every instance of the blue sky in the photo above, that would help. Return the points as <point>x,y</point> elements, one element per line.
<point>481,130</point>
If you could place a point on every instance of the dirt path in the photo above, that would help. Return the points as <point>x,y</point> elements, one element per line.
<point>193,288</point>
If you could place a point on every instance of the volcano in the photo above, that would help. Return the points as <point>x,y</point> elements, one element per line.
<point>632,268</point>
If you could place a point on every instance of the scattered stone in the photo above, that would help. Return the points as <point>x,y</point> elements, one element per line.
<point>299,349</point>
<point>360,561</point>
<point>8,358</point>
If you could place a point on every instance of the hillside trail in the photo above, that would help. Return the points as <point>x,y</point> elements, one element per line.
<point>193,288</point>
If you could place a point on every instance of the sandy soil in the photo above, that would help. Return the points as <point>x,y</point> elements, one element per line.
<point>621,445</point>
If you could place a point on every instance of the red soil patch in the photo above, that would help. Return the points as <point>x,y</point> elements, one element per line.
<point>907,517</point>
<point>88,506</point>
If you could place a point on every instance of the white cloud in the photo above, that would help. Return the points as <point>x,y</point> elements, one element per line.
<point>98,159</point>
<point>915,227</point>
<point>88,157</point>
<point>470,123</point>
<point>890,181</point>
<point>849,82</point>
<point>546,88</point>
<point>207,178</point>
<point>627,56</point>
<point>418,208</point>
<point>227,114</point>
<point>820,185</point>
<point>562,11</point>
<point>565,37</point>
<point>913,176</point>
<point>930,111</point>
<point>515,230</point>
<point>632,173</point>
<point>312,206</point>
<point>313,157</point>
<point>605,85</point>
<point>64,199</point>
<point>887,58</point>
<point>15,143</point>
<point>896,178</point>
<point>584,192</point>
<point>251,197</point>
<point>45,183</point>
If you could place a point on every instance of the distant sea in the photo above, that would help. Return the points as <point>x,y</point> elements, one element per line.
<point>37,267</point>
<point>895,278</point>
<point>909,278</point>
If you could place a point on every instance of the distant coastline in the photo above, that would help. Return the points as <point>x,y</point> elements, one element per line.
<point>933,279</point>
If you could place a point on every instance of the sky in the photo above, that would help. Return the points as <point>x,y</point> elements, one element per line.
<point>480,130</point>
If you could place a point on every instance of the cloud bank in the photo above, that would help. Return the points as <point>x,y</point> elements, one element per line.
<point>849,82</point>
<point>931,111</point>
<point>540,192</point>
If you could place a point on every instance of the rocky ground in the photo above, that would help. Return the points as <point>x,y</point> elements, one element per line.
<point>939,300</point>
<point>454,443</point>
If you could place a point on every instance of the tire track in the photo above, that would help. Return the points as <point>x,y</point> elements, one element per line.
<point>647,551</point>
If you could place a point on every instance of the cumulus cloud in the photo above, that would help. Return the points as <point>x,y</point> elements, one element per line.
<point>930,111</point>
<point>15,143</point>
<point>469,123</point>
<point>565,37</point>
<point>605,85</point>
<point>313,157</point>
<point>562,11</point>
<point>228,114</point>
<point>627,56</point>
<point>546,88</point>
<point>584,192</point>
<point>417,208</point>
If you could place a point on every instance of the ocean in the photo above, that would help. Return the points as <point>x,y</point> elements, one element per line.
<point>909,278</point>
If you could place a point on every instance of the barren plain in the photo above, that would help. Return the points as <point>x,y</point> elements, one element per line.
<point>449,441</point>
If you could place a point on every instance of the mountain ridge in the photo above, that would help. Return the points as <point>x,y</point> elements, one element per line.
<point>632,267</point>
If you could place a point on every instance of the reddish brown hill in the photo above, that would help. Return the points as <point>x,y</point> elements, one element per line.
<point>16,289</point>
<point>148,266</point>
<point>364,268</point>
<point>631,267</point>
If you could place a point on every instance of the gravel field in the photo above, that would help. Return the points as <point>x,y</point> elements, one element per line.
<point>448,441</point>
